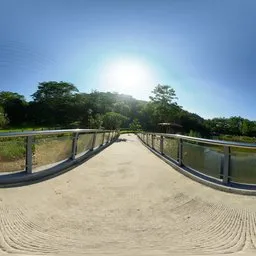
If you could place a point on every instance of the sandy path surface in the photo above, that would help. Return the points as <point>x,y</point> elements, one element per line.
<point>125,201</point>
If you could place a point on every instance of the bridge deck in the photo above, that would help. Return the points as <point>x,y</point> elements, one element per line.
<point>125,201</point>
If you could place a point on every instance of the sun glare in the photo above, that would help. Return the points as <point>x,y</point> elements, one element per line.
<point>128,76</point>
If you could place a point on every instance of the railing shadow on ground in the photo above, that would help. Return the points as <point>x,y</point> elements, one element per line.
<point>211,161</point>
<point>48,154</point>
<point>121,140</point>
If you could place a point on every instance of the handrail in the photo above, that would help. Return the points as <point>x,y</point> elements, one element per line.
<point>226,165</point>
<point>32,133</point>
<point>207,141</point>
<point>72,157</point>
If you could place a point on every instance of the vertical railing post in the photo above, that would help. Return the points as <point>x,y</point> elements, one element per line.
<point>106,137</point>
<point>29,153</point>
<point>226,165</point>
<point>94,141</point>
<point>74,145</point>
<point>152,138</point>
<point>162,144</point>
<point>103,137</point>
<point>180,152</point>
<point>147,139</point>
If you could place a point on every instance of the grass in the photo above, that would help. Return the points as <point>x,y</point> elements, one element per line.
<point>84,143</point>
<point>46,150</point>
<point>12,149</point>
<point>12,154</point>
<point>51,149</point>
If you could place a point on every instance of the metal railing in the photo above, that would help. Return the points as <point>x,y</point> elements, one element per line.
<point>34,151</point>
<point>224,162</point>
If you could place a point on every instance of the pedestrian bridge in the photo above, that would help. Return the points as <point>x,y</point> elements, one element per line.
<point>125,201</point>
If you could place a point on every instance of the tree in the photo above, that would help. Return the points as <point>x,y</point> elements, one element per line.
<point>54,104</point>
<point>53,90</point>
<point>112,120</point>
<point>235,125</point>
<point>164,104</point>
<point>14,106</point>
<point>3,119</point>
<point>192,122</point>
<point>135,125</point>
<point>59,104</point>
<point>121,108</point>
<point>246,127</point>
<point>101,102</point>
<point>95,122</point>
<point>164,95</point>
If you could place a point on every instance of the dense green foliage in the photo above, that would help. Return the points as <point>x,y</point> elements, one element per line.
<point>59,104</point>
<point>3,119</point>
<point>135,125</point>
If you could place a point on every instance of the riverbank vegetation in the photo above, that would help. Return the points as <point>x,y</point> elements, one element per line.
<point>60,105</point>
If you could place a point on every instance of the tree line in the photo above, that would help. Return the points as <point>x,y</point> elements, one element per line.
<point>60,104</point>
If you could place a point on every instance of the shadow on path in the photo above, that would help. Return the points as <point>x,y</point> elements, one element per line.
<point>121,140</point>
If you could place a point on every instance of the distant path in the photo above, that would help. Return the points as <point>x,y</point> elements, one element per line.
<point>125,201</point>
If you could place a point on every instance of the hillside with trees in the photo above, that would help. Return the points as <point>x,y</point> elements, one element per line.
<point>61,105</point>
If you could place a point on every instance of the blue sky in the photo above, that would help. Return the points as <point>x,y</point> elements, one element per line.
<point>205,49</point>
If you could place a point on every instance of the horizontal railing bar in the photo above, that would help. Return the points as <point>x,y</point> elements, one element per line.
<point>207,141</point>
<point>31,133</point>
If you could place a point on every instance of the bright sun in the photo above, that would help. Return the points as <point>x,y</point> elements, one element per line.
<point>128,77</point>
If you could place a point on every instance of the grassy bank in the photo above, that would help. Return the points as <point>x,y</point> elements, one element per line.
<point>46,149</point>
<point>244,139</point>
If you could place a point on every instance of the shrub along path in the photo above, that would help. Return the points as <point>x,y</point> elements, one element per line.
<point>125,201</point>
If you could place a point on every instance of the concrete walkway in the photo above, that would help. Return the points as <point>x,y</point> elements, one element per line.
<point>125,201</point>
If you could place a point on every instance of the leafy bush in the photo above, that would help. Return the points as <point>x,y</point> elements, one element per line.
<point>112,120</point>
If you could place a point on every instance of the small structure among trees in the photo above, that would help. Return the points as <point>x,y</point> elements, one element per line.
<point>170,128</point>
